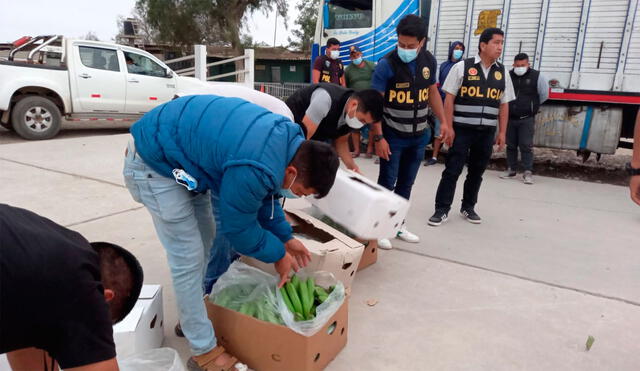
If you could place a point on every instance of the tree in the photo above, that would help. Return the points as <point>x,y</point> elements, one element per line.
<point>90,36</point>
<point>303,36</point>
<point>188,22</point>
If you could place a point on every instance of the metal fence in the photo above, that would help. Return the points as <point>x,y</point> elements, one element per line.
<point>279,90</point>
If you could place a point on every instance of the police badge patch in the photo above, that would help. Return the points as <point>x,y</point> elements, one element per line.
<point>327,63</point>
<point>473,71</point>
<point>426,73</point>
<point>498,75</point>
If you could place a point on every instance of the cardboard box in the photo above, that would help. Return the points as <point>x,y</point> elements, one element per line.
<point>265,346</point>
<point>369,255</point>
<point>366,209</point>
<point>143,327</point>
<point>331,250</point>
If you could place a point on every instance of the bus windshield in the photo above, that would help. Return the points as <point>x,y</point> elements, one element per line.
<point>349,13</point>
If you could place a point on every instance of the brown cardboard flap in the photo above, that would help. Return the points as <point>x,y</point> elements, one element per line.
<point>302,216</point>
<point>268,347</point>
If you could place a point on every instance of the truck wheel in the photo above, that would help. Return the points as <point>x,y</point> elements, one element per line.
<point>36,118</point>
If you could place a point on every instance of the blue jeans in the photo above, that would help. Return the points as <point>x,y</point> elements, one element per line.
<point>222,253</point>
<point>185,226</point>
<point>399,173</point>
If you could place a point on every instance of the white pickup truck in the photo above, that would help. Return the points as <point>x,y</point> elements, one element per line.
<point>81,80</point>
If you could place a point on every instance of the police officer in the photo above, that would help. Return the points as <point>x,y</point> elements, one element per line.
<point>478,94</point>
<point>406,78</point>
<point>328,112</point>
<point>329,67</point>
<point>531,91</point>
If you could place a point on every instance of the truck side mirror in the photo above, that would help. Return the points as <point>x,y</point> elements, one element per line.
<point>168,73</point>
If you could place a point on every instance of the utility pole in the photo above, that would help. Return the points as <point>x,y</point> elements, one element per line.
<point>275,29</point>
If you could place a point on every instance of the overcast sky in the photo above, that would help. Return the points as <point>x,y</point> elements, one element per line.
<point>74,18</point>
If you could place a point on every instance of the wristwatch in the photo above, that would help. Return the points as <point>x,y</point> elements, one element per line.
<point>631,170</point>
<point>377,138</point>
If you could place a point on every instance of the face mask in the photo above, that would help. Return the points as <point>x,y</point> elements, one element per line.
<point>334,54</point>
<point>407,55</point>
<point>287,193</point>
<point>457,54</point>
<point>520,70</point>
<point>357,61</point>
<point>353,122</point>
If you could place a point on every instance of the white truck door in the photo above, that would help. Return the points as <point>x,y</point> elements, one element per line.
<point>148,84</point>
<point>99,80</point>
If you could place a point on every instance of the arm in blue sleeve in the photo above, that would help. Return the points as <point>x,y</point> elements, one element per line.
<point>271,218</point>
<point>242,193</point>
<point>381,75</point>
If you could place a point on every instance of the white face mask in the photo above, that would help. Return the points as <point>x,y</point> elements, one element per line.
<point>334,54</point>
<point>520,70</point>
<point>353,122</point>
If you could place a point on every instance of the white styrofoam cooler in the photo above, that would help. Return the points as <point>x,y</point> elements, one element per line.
<point>143,327</point>
<point>365,208</point>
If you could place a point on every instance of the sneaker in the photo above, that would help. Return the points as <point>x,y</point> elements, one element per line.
<point>438,218</point>
<point>431,161</point>
<point>528,177</point>
<point>407,236</point>
<point>384,244</point>
<point>508,174</point>
<point>471,216</point>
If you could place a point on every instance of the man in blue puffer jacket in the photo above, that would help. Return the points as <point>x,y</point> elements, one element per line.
<point>246,155</point>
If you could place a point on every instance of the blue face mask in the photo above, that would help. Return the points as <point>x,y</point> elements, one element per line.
<point>407,55</point>
<point>287,193</point>
<point>357,61</point>
<point>457,54</point>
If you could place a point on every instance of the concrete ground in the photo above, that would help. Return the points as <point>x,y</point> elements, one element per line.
<point>551,264</point>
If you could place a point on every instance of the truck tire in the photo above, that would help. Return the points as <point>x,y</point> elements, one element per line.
<point>36,118</point>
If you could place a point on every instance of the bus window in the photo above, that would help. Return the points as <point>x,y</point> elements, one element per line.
<point>349,13</point>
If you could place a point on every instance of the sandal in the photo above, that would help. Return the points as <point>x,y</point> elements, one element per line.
<point>206,362</point>
<point>355,155</point>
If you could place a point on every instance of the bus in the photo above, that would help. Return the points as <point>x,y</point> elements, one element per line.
<point>588,50</point>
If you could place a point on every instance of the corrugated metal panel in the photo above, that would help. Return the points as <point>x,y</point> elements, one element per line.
<point>478,6</point>
<point>561,35</point>
<point>522,30</point>
<point>451,25</point>
<point>605,28</point>
<point>633,59</point>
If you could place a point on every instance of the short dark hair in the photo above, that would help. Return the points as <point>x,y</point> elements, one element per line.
<point>521,57</point>
<point>370,101</point>
<point>333,41</point>
<point>317,164</point>
<point>412,25</point>
<point>487,35</point>
<point>121,272</point>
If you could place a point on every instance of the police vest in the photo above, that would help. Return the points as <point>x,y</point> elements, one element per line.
<point>406,97</point>
<point>527,100</point>
<point>325,73</point>
<point>299,101</point>
<point>478,101</point>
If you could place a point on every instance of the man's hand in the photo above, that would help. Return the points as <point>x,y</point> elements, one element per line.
<point>297,250</point>
<point>501,140</point>
<point>447,134</point>
<point>382,149</point>
<point>634,187</point>
<point>284,266</point>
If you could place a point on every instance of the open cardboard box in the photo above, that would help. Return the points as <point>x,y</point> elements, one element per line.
<point>331,250</point>
<point>365,208</point>
<point>369,254</point>
<point>265,346</point>
<point>143,328</point>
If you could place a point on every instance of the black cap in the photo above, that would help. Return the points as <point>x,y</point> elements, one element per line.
<point>136,271</point>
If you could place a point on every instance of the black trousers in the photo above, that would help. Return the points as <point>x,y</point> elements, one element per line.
<point>473,147</point>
